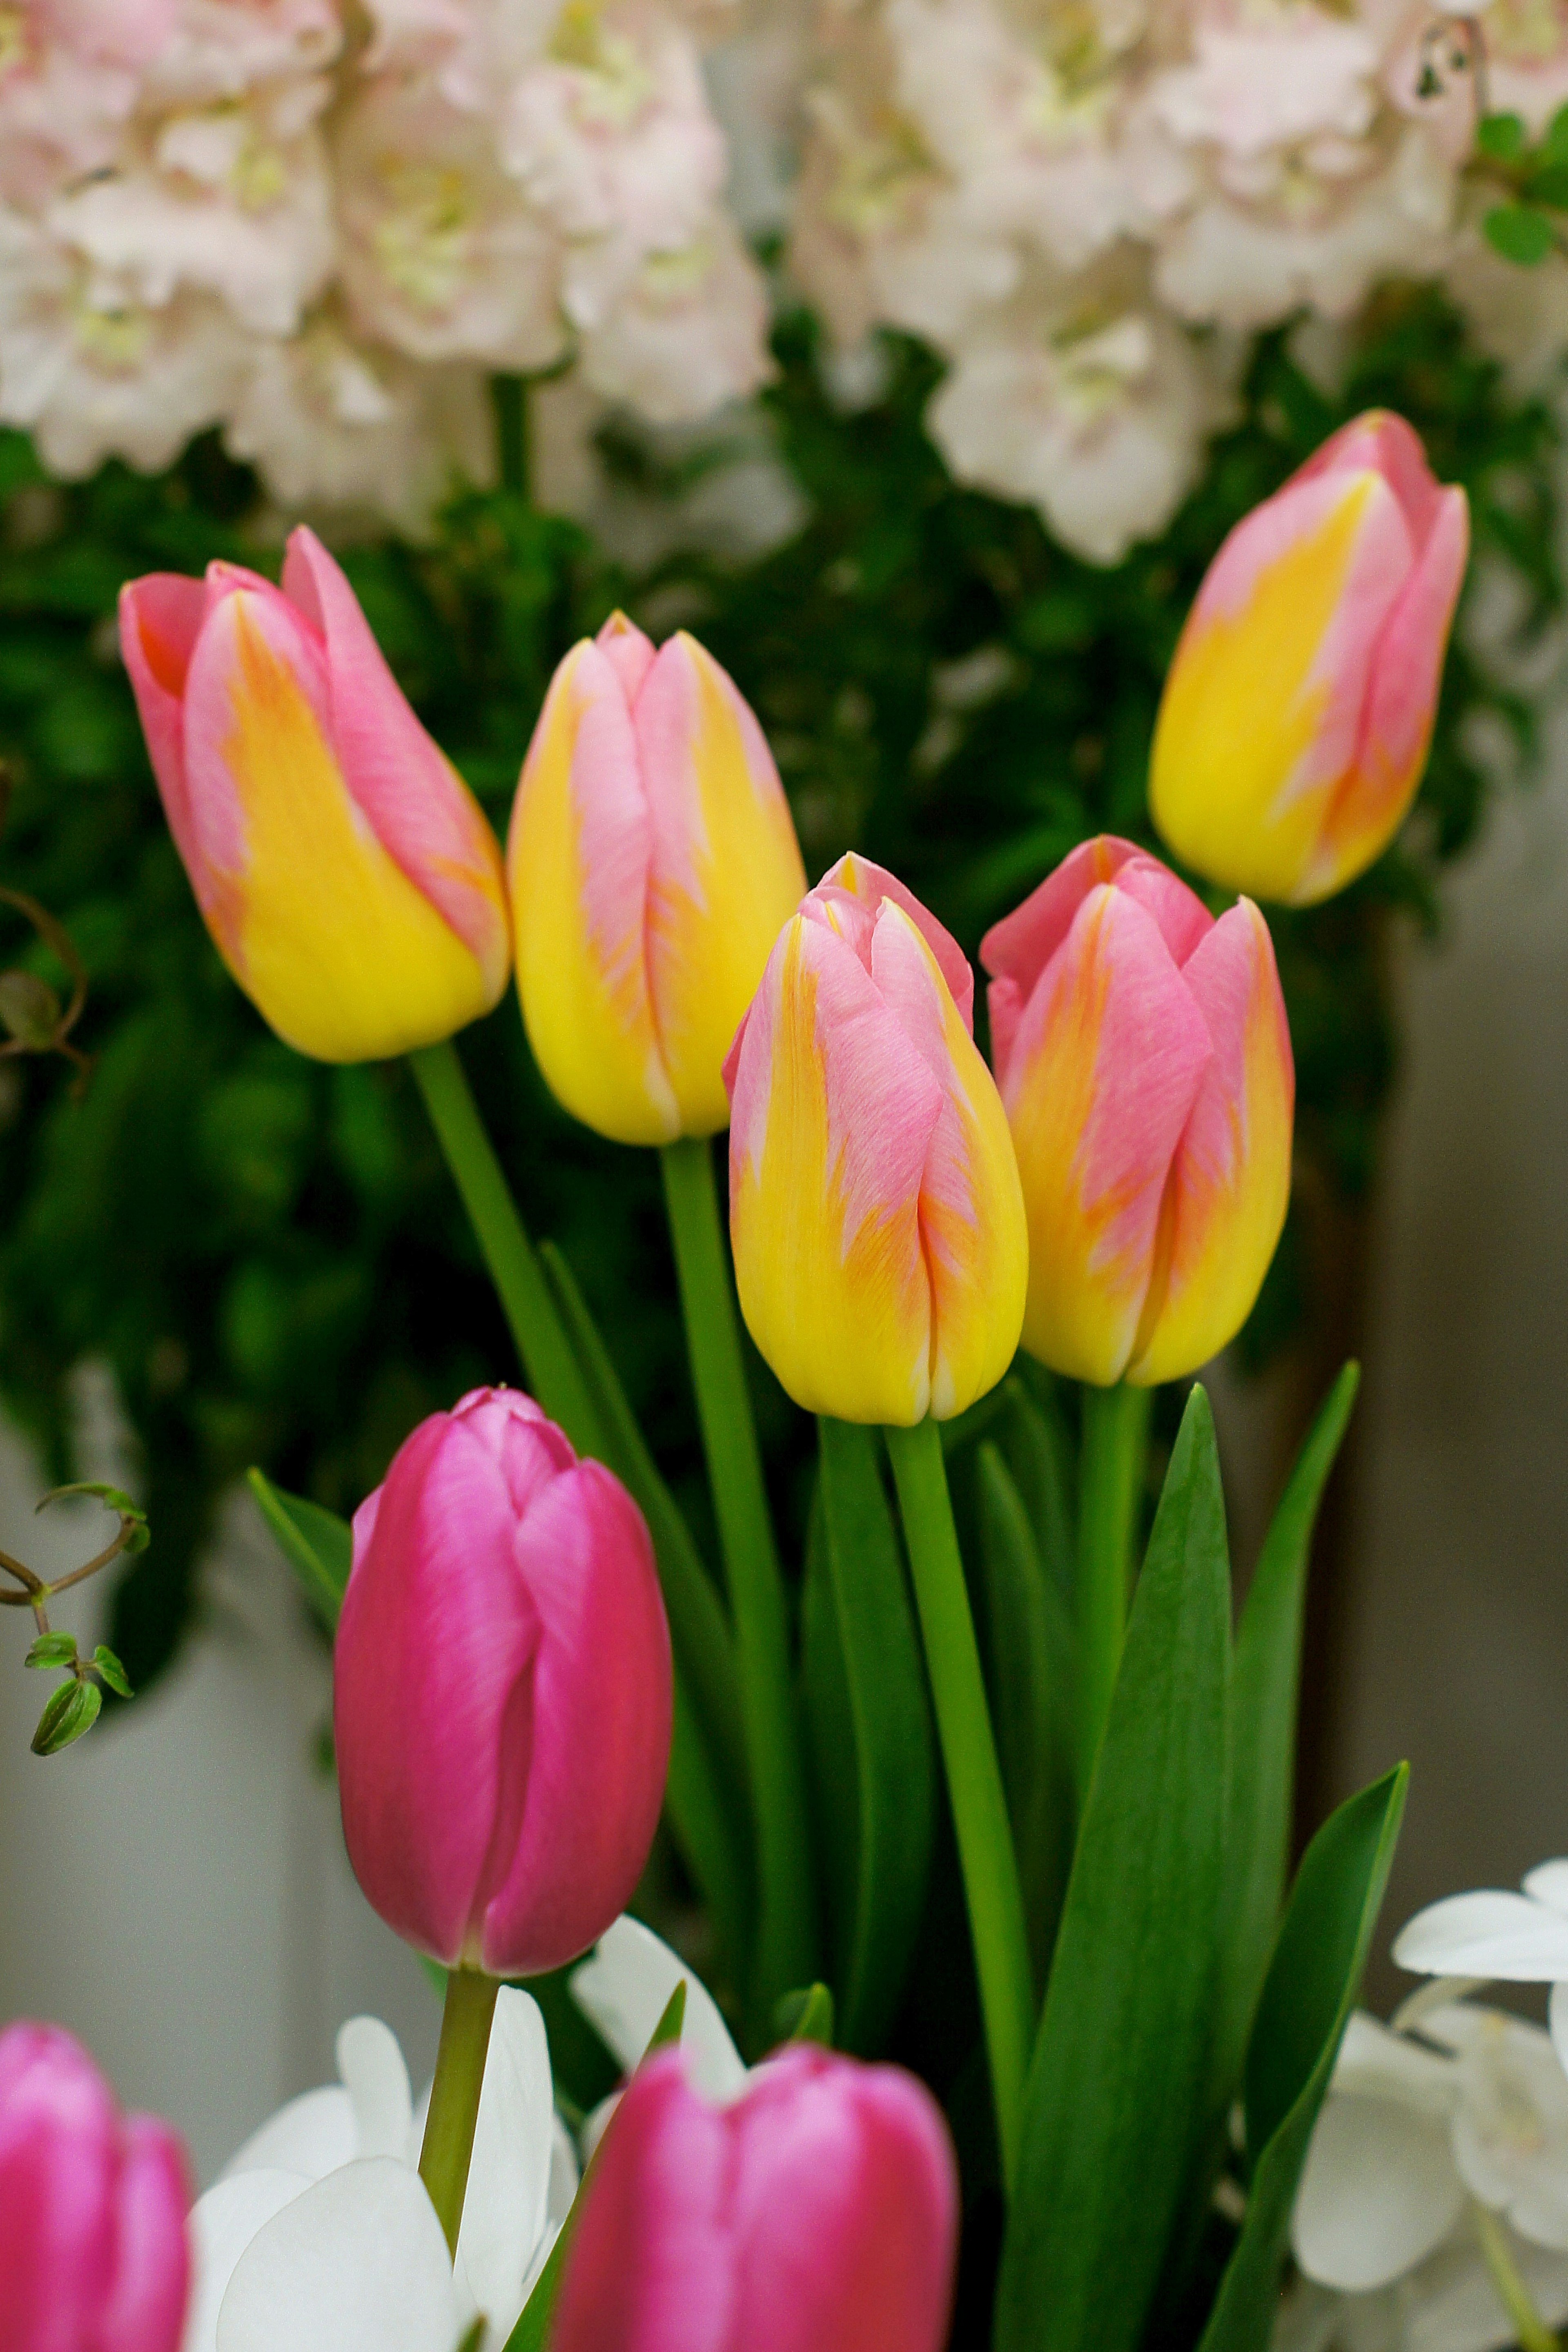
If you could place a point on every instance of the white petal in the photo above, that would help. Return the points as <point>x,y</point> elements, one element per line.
<point>1486,1935</point>
<point>313,2135</point>
<point>357,2264</point>
<point>1557,2021</point>
<point>508,2179</point>
<point>1378,2193</point>
<point>625,1987</point>
<point>563,2174</point>
<point>1511,2127</point>
<point>1548,1882</point>
<point>372,2068</point>
<point>221,2226</point>
<point>1376,2063</point>
<point>1452,2304</point>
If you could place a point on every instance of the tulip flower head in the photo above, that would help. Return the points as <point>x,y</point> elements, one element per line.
<point>348,876</point>
<point>502,1691</point>
<point>651,860</point>
<point>1145,1064</point>
<point>92,2207</point>
<point>1299,708</point>
<point>878,1224</point>
<point>815,2213</point>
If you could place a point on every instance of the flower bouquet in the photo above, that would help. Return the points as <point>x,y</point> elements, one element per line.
<point>983,1672</point>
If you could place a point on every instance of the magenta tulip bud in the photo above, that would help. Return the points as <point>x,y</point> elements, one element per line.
<point>502,1691</point>
<point>817,2213</point>
<point>92,2207</point>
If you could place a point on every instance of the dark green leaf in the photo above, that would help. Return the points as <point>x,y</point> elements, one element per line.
<point>317,1545</point>
<point>893,1760</point>
<point>1263,1739</point>
<point>72,1710</point>
<point>1031,1686</point>
<point>806,2016</point>
<point>1500,136</point>
<point>1519,233</point>
<point>1310,1989</point>
<point>1119,2066</point>
<point>51,1650</point>
<point>108,1666</point>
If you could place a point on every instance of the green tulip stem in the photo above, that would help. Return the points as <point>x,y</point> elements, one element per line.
<point>1111,1477</point>
<point>786,1937</point>
<point>985,1851</point>
<point>449,2145</point>
<point>544,1350</point>
<point>509,398</point>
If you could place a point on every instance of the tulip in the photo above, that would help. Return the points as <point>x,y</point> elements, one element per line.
<point>874,1204</point>
<point>92,2207</point>
<point>1299,707</point>
<point>349,879</point>
<point>651,861</point>
<point>816,2212</point>
<point>1145,1064</point>
<point>502,1691</point>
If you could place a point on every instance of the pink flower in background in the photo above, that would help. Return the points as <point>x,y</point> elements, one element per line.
<point>1144,1060</point>
<point>816,2212</point>
<point>349,879</point>
<point>502,1694</point>
<point>92,2207</point>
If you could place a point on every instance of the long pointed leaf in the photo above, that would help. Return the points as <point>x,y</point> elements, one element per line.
<point>894,1760</point>
<point>1263,1741</point>
<point>1312,1986</point>
<point>1120,2064</point>
<point>317,1545</point>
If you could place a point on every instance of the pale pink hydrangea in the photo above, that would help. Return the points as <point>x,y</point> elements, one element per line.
<point>688,334</point>
<point>221,48</point>
<point>443,255</point>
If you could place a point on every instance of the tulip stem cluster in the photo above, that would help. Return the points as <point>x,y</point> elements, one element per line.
<point>786,1941</point>
<point>449,2143</point>
<point>986,1850</point>
<point>1115,1430</point>
<point>510,1256</point>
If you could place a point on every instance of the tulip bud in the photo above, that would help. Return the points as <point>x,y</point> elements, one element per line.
<point>502,1691</point>
<point>1145,1064</point>
<point>816,2212</point>
<point>348,876</point>
<point>1299,708</point>
<point>651,860</point>
<point>92,2207</point>
<point>874,1204</point>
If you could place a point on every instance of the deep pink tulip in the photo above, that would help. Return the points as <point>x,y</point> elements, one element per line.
<point>93,2255</point>
<point>502,1691</point>
<point>817,2213</point>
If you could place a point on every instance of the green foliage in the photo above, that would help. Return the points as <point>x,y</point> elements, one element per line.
<point>269,1253</point>
<point>1536,176</point>
<point>317,1545</point>
<point>68,1712</point>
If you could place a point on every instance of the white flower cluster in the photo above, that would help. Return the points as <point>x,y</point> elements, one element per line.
<point>319,226</point>
<point>1433,2212</point>
<point>1083,204</point>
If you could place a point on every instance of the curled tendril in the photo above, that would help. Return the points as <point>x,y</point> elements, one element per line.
<point>31,1013</point>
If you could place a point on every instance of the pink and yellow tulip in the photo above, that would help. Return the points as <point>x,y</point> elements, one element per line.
<point>1145,1064</point>
<point>93,2249</point>
<point>502,1691</point>
<point>816,2212</point>
<point>349,879</point>
<point>1299,708</point>
<point>874,1204</point>
<point>651,861</point>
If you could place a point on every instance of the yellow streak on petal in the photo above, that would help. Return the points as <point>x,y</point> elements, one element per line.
<point>345,958</point>
<point>843,1318</point>
<point>591,1029</point>
<point>1241,712</point>
<point>708,951</point>
<point>978,1259</point>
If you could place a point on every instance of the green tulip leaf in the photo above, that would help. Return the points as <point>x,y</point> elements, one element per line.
<point>1119,2064</point>
<point>317,1545</point>
<point>70,1711</point>
<point>806,2015</point>
<point>1310,1989</point>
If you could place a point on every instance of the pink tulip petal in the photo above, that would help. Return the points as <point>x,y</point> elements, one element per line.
<point>848,897</point>
<point>436,1654</point>
<point>1397,724</point>
<point>1230,1179</point>
<point>160,619</point>
<point>973,1232</point>
<point>580,1801</point>
<point>417,804</point>
<point>1105,1067</point>
<point>629,654</point>
<point>1382,443</point>
<point>146,2303</point>
<point>833,1109</point>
